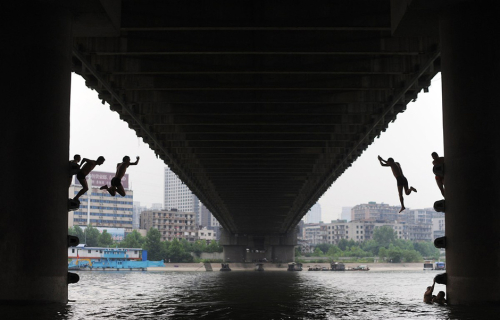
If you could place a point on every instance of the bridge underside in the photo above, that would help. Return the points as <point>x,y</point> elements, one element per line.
<point>257,106</point>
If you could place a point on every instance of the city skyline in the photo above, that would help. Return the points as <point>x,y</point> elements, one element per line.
<point>95,131</point>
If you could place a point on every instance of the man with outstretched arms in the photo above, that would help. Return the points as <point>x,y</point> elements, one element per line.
<point>116,182</point>
<point>400,178</point>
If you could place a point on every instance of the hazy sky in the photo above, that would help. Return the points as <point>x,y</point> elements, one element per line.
<point>96,130</point>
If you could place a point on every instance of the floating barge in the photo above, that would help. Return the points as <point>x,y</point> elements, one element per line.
<point>109,259</point>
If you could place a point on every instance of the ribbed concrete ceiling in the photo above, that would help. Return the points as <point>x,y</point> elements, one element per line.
<point>258,106</point>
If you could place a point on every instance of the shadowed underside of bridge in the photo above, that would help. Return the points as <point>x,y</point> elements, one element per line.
<point>258,107</point>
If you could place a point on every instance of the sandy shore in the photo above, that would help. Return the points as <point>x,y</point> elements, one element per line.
<point>283,267</point>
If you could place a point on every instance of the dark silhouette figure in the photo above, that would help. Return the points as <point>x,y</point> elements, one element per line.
<point>428,293</point>
<point>74,167</point>
<point>439,299</point>
<point>439,179</point>
<point>86,167</point>
<point>400,178</point>
<point>116,182</point>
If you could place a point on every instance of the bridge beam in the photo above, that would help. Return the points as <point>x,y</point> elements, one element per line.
<point>471,111</point>
<point>247,248</point>
<point>35,147</point>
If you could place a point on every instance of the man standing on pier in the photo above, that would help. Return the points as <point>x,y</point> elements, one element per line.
<point>116,182</point>
<point>400,178</point>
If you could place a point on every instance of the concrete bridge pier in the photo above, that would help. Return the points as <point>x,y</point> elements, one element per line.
<point>35,148</point>
<point>470,78</point>
<point>247,248</point>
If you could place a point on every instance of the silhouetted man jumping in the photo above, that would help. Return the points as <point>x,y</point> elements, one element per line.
<point>400,178</point>
<point>116,182</point>
<point>86,167</point>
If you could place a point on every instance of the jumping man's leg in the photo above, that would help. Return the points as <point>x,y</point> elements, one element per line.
<point>121,191</point>
<point>112,191</point>
<point>400,191</point>
<point>409,190</point>
<point>85,186</point>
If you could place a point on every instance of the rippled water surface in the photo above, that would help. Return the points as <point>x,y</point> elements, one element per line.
<point>250,295</point>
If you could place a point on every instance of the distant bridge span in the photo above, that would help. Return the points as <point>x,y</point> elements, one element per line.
<point>258,106</point>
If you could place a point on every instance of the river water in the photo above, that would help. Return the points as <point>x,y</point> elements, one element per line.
<point>250,295</point>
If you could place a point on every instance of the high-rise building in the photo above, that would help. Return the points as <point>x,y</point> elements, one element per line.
<point>136,217</point>
<point>346,214</point>
<point>178,196</point>
<point>314,214</point>
<point>99,208</point>
<point>171,224</point>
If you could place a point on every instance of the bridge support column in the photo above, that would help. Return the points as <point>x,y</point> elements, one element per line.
<point>471,111</point>
<point>272,247</point>
<point>35,150</point>
<point>283,254</point>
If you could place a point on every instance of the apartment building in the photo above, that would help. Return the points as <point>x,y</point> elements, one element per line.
<point>171,224</point>
<point>359,230</point>
<point>375,211</point>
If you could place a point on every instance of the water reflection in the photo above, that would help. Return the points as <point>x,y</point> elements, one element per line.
<point>250,295</point>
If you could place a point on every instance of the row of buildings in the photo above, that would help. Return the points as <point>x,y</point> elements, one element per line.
<point>182,216</point>
<point>415,225</point>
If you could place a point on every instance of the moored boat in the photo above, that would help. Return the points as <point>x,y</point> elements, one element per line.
<point>98,258</point>
<point>293,266</point>
<point>428,265</point>
<point>359,268</point>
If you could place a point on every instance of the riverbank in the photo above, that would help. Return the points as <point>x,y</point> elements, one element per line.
<point>283,266</point>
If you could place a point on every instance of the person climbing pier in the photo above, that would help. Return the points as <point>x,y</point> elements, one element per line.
<point>74,167</point>
<point>116,182</point>
<point>400,178</point>
<point>86,167</point>
<point>439,178</point>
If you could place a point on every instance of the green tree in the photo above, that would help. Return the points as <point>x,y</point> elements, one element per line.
<point>394,254</point>
<point>411,256</point>
<point>132,240</point>
<point>343,243</point>
<point>318,252</point>
<point>199,246</point>
<point>77,232</point>
<point>371,246</point>
<point>176,251</point>
<point>333,251</point>
<point>384,236</point>
<point>92,236</point>
<point>214,247</point>
<point>154,245</point>
<point>186,245</point>
<point>382,253</point>
<point>324,247</point>
<point>105,239</point>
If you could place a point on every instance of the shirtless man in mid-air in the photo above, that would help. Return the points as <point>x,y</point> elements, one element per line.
<point>400,178</point>
<point>86,167</point>
<point>116,182</point>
